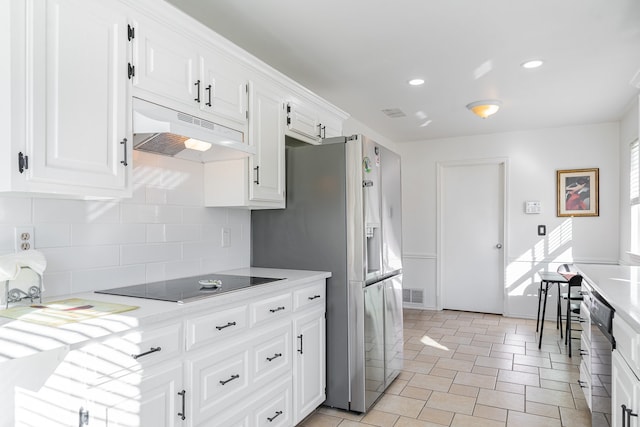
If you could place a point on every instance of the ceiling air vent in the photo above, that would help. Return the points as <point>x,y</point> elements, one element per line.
<point>394,113</point>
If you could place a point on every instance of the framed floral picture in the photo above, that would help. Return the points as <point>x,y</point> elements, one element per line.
<point>578,193</point>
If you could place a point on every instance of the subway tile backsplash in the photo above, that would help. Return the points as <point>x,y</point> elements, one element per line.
<point>162,232</point>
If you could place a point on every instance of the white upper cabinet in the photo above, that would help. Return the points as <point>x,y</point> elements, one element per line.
<point>267,134</point>
<point>225,90</point>
<point>257,182</point>
<point>73,67</point>
<point>165,66</point>
<point>309,123</point>
<point>73,136</point>
<point>176,71</point>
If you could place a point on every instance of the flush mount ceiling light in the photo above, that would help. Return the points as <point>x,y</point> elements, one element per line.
<point>484,108</point>
<point>416,82</point>
<point>533,63</point>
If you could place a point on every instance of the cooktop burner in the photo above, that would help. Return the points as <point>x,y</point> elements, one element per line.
<point>189,288</point>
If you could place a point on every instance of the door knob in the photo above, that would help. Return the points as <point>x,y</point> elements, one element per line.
<point>499,246</point>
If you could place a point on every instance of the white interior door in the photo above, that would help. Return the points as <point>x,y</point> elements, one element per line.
<point>471,237</point>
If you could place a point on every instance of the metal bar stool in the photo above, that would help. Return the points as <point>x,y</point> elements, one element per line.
<point>574,298</point>
<point>547,278</point>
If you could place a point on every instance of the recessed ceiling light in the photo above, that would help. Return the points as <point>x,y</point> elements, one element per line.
<point>416,82</point>
<point>534,63</point>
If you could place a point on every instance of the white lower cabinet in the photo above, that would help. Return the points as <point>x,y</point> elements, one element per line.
<point>145,398</point>
<point>56,401</point>
<point>625,372</point>
<point>625,397</point>
<point>309,363</point>
<point>196,370</point>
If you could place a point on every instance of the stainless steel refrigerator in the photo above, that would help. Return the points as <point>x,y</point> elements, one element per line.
<point>343,214</point>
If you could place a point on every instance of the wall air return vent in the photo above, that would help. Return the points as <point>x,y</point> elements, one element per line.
<point>415,296</point>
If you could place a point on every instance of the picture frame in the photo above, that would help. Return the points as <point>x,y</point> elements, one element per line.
<point>578,192</point>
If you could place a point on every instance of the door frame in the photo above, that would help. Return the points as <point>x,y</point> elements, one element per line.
<point>440,166</point>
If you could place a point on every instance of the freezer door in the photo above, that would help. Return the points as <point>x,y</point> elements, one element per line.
<point>391,201</point>
<point>374,351</point>
<point>393,328</point>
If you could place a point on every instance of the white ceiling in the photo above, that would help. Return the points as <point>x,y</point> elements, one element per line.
<point>359,54</point>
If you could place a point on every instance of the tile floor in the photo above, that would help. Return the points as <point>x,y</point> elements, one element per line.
<point>466,369</point>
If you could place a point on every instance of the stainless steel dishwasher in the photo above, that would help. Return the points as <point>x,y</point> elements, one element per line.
<point>602,345</point>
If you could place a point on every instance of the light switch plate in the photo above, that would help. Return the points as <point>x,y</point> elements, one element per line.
<point>542,230</point>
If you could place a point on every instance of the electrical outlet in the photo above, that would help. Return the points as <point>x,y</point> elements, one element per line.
<point>226,237</point>
<point>24,238</point>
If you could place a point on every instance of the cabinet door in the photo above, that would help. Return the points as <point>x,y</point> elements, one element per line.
<point>303,121</point>
<point>166,65</point>
<point>225,89</point>
<point>267,134</point>
<point>625,391</point>
<point>144,399</point>
<point>309,363</point>
<point>79,94</point>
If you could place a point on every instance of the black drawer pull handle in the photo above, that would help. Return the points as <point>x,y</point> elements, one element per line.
<point>151,350</point>
<point>208,89</point>
<point>300,338</point>
<point>226,326</point>
<point>182,414</point>
<point>197,84</point>
<point>582,384</point>
<point>233,377</point>
<point>278,413</point>
<point>314,297</point>
<point>273,310</point>
<point>275,356</point>
<point>124,143</point>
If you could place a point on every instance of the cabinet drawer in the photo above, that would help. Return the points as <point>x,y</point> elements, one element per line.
<point>135,350</point>
<point>270,309</point>
<point>585,382</point>
<point>627,343</point>
<point>272,354</point>
<point>215,326</point>
<point>275,408</point>
<point>585,352</point>
<point>585,316</point>
<point>310,295</point>
<point>219,380</point>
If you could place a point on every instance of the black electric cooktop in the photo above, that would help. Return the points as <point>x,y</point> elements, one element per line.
<point>189,289</point>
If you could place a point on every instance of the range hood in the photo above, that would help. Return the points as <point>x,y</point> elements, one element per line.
<point>161,130</point>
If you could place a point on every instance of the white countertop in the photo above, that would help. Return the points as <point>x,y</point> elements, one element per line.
<point>619,285</point>
<point>20,339</point>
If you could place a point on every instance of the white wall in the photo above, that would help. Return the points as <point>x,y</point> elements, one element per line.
<point>163,232</point>
<point>629,129</point>
<point>533,156</point>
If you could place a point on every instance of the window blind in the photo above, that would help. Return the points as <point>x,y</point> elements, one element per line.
<point>634,173</point>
